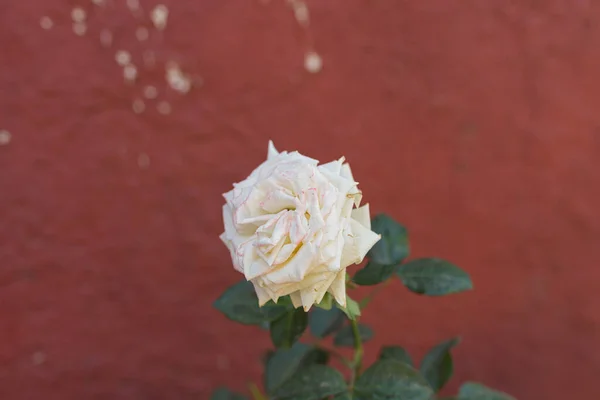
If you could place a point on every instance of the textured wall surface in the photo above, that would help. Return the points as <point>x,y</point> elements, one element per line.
<point>475,123</point>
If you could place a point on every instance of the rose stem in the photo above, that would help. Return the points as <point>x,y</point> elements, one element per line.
<point>358,352</point>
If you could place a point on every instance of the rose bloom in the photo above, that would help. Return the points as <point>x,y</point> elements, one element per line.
<point>292,228</point>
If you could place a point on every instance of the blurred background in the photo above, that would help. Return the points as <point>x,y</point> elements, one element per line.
<point>474,123</point>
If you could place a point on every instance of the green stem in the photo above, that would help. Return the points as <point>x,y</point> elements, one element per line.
<point>358,353</point>
<point>256,394</point>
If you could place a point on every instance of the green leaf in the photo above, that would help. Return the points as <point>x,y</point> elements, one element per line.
<point>239,303</point>
<point>343,396</point>
<point>283,363</point>
<point>324,322</point>
<point>395,353</point>
<point>266,356</point>
<point>437,366</point>
<point>265,325</point>
<point>434,277</point>
<point>316,356</point>
<point>448,398</point>
<point>226,394</point>
<point>393,246</point>
<point>391,380</point>
<point>345,337</point>
<point>373,273</point>
<point>314,382</point>
<point>326,303</point>
<point>288,328</point>
<point>352,309</point>
<point>477,391</point>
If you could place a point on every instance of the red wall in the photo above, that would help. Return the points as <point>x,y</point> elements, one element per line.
<point>475,123</point>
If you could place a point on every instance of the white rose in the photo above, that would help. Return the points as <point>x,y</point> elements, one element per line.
<point>292,230</point>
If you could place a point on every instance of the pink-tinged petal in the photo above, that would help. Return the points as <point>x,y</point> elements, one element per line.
<point>225,241</point>
<point>316,221</point>
<point>228,220</point>
<point>296,269</point>
<point>228,196</point>
<point>277,200</point>
<point>257,221</point>
<point>271,237</point>
<point>284,253</point>
<point>257,268</point>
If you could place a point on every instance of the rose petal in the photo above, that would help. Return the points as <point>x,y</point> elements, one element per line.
<point>296,269</point>
<point>334,167</point>
<point>314,294</point>
<point>363,216</point>
<point>317,275</point>
<point>262,294</point>
<point>346,172</point>
<point>359,241</point>
<point>342,184</point>
<point>296,299</point>
<point>272,151</point>
<point>291,229</point>
<point>338,288</point>
<point>254,266</point>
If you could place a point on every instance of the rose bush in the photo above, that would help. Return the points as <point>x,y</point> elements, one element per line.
<point>292,229</point>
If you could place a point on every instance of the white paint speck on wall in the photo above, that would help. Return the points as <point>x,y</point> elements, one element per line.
<point>5,137</point>
<point>79,28</point>
<point>143,161</point>
<point>46,23</point>
<point>122,57</point>
<point>159,16</point>
<point>138,106</point>
<point>142,33</point>
<point>164,108</point>
<point>78,14</point>
<point>313,62</point>
<point>150,92</point>
<point>38,358</point>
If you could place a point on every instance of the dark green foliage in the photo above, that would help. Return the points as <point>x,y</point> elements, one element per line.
<point>437,366</point>
<point>393,246</point>
<point>345,337</point>
<point>288,328</point>
<point>325,322</point>
<point>434,277</point>
<point>391,380</point>
<point>395,353</point>
<point>239,303</point>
